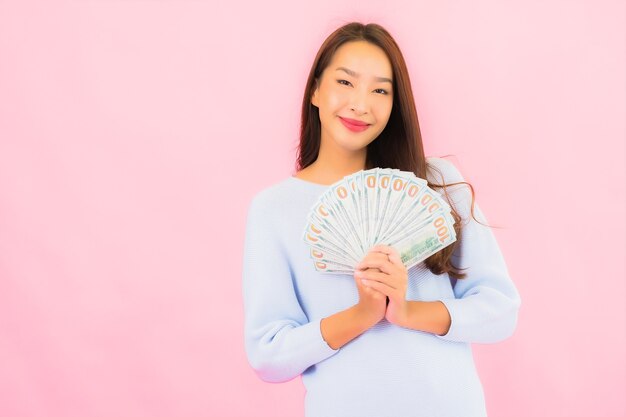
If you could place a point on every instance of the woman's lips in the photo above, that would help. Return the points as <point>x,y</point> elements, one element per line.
<point>354,125</point>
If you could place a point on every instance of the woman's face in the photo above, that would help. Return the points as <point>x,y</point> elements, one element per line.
<point>354,96</point>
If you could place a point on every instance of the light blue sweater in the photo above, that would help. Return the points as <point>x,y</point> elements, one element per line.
<point>387,371</point>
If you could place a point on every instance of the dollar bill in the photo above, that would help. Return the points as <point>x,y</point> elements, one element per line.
<point>377,206</point>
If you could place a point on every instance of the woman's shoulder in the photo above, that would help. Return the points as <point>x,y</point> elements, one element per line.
<point>273,194</point>
<point>285,193</point>
<point>265,206</point>
<point>440,171</point>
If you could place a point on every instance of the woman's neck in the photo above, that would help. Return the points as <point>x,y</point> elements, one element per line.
<point>330,167</point>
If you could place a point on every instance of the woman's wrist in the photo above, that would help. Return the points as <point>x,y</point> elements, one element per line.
<point>340,328</point>
<point>428,316</point>
<point>365,316</point>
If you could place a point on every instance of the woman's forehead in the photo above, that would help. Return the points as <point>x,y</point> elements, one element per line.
<point>361,58</point>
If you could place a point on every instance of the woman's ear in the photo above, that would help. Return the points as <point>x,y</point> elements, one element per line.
<point>314,98</point>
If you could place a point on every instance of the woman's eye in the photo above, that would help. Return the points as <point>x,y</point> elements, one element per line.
<point>381,91</point>
<point>344,82</point>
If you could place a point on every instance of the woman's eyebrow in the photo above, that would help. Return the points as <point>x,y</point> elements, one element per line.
<point>355,75</point>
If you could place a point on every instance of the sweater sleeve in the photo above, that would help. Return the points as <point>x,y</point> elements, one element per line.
<point>280,342</point>
<point>486,302</point>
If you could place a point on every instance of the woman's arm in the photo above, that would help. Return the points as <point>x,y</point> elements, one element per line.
<point>342,327</point>
<point>428,316</point>
<point>280,341</point>
<point>486,302</point>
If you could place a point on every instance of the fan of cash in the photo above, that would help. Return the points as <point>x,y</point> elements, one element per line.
<point>377,206</point>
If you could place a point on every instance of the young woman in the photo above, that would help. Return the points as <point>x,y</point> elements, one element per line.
<point>385,341</point>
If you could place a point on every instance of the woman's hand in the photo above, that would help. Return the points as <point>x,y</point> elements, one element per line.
<point>372,304</point>
<point>382,270</point>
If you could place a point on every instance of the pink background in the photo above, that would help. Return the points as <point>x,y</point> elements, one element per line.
<point>133,135</point>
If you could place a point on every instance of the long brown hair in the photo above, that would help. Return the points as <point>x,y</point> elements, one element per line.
<point>399,145</point>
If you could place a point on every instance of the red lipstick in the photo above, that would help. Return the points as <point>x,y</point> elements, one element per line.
<point>354,125</point>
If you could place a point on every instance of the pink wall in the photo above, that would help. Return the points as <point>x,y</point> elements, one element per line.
<point>133,135</point>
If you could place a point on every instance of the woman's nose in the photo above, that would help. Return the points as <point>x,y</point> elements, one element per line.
<point>358,103</point>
